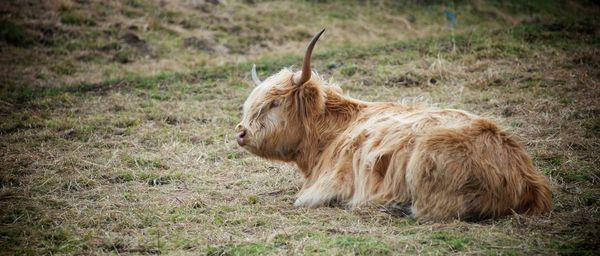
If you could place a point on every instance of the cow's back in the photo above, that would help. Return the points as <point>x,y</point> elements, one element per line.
<point>447,163</point>
<point>378,145</point>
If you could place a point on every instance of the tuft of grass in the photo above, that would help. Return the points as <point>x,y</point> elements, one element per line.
<point>239,249</point>
<point>349,70</point>
<point>362,245</point>
<point>455,242</point>
<point>125,121</point>
<point>252,199</point>
<point>593,126</point>
<point>72,17</point>
<point>144,163</point>
<point>123,176</point>
<point>571,170</point>
<point>14,34</point>
<point>248,249</point>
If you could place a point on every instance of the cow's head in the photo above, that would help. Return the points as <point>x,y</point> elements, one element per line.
<point>279,111</point>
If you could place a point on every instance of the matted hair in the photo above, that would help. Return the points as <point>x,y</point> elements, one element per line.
<point>441,164</point>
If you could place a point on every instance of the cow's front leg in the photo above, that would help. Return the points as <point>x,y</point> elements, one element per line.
<point>325,190</point>
<point>314,196</point>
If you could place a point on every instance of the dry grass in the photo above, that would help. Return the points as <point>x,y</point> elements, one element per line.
<point>144,163</point>
<point>72,42</point>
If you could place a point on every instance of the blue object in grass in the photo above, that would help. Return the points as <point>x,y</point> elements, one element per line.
<point>451,16</point>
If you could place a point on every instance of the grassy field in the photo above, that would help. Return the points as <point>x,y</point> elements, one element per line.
<point>116,131</point>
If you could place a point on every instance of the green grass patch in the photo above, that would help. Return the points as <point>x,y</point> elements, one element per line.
<point>592,125</point>
<point>239,249</point>
<point>571,170</point>
<point>325,243</point>
<point>156,179</point>
<point>126,121</point>
<point>454,241</point>
<point>143,163</point>
<point>123,176</point>
<point>249,249</point>
<point>76,18</point>
<point>362,245</point>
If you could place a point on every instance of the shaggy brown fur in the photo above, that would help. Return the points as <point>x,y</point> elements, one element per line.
<point>445,163</point>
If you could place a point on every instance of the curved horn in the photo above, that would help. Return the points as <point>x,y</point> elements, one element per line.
<point>306,72</point>
<point>255,76</point>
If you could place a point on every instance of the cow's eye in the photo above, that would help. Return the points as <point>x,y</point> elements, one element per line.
<point>274,104</point>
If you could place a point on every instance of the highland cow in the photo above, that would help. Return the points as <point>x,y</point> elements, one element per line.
<point>441,164</point>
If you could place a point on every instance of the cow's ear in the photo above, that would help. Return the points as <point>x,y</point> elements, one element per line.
<point>309,101</point>
<point>300,79</point>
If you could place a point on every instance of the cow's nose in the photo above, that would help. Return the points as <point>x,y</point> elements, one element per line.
<point>240,137</point>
